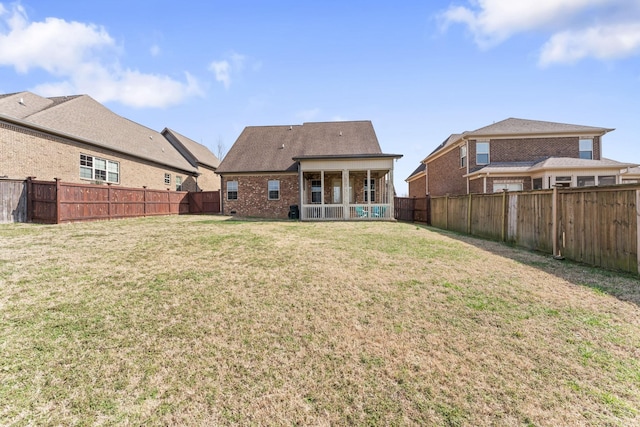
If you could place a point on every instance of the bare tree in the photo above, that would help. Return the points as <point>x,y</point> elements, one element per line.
<point>221,148</point>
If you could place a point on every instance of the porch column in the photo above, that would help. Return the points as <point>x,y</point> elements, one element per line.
<point>322,194</point>
<point>390,195</point>
<point>346,212</point>
<point>369,189</point>
<point>301,192</point>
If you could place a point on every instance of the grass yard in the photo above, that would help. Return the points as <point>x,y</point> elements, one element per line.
<point>200,320</point>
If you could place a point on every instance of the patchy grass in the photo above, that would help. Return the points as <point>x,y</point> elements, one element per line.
<point>206,321</point>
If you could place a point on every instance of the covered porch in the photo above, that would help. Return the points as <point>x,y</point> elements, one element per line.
<point>346,189</point>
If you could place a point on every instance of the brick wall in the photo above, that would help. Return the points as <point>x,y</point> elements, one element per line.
<point>524,150</point>
<point>418,187</point>
<point>446,175</point>
<point>253,195</point>
<point>208,180</point>
<point>25,153</point>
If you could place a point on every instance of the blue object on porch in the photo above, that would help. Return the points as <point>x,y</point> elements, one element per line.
<point>375,212</point>
<point>360,212</point>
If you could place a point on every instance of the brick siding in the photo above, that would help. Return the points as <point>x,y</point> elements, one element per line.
<point>446,175</point>
<point>418,187</point>
<point>253,195</point>
<point>24,153</point>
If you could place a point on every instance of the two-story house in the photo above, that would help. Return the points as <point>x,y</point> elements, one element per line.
<point>517,154</point>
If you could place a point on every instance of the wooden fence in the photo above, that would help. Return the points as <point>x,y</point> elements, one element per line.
<point>58,202</point>
<point>13,200</point>
<point>594,225</point>
<point>415,209</point>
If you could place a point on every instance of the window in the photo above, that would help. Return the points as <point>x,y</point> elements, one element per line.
<point>373,190</point>
<point>463,156</point>
<point>99,169</point>
<point>178,183</point>
<point>316,191</point>
<point>586,181</point>
<point>482,153</point>
<point>563,181</point>
<point>607,180</point>
<point>167,179</point>
<point>274,189</point>
<point>537,184</point>
<point>509,186</point>
<point>337,191</point>
<point>586,148</point>
<point>232,190</point>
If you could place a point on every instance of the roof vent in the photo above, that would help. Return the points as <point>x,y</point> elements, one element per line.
<point>340,133</point>
<point>290,127</point>
<point>150,136</point>
<point>21,102</point>
<point>282,146</point>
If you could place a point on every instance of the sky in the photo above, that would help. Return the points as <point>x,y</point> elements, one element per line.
<point>419,70</point>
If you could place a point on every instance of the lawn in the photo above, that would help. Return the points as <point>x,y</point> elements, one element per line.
<point>201,320</point>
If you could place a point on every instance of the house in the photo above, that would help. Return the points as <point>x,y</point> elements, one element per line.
<point>417,181</point>
<point>321,171</point>
<point>518,154</point>
<point>77,139</point>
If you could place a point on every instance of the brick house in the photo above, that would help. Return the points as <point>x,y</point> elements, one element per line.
<point>516,155</point>
<point>77,139</point>
<point>328,171</point>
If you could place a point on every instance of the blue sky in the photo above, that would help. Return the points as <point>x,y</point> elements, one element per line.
<point>418,70</point>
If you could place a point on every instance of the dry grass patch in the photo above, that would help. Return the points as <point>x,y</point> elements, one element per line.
<point>204,320</point>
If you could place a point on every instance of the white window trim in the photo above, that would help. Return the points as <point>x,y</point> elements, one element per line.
<point>270,189</point>
<point>488,153</point>
<point>229,190</point>
<point>107,170</point>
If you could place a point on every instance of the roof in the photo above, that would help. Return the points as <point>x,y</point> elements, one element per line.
<point>82,118</point>
<point>417,172</point>
<point>277,148</point>
<point>521,127</point>
<point>198,152</point>
<point>558,163</point>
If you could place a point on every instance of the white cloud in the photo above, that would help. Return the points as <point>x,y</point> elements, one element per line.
<point>570,23</point>
<point>84,57</point>
<point>222,70</point>
<point>604,42</point>
<point>233,65</point>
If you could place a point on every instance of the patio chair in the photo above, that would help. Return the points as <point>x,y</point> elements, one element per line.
<point>360,212</point>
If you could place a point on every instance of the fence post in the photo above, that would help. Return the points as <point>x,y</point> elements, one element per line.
<point>109,200</point>
<point>446,212</point>
<point>428,208</point>
<point>554,219</point>
<point>29,199</point>
<point>504,215</point>
<point>57,200</point>
<point>144,200</point>
<point>469,214</point>
<point>638,227</point>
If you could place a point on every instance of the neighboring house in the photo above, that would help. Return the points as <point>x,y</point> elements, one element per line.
<point>323,171</point>
<point>417,181</point>
<point>518,154</point>
<point>199,156</point>
<point>630,175</point>
<point>77,139</point>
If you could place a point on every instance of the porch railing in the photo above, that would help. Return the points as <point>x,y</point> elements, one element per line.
<point>354,212</point>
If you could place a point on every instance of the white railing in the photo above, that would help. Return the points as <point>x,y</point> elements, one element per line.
<point>354,212</point>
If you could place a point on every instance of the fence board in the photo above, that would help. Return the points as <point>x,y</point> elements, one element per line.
<point>595,225</point>
<point>13,201</point>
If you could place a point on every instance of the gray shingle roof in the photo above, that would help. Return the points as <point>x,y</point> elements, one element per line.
<point>513,126</point>
<point>550,163</point>
<point>417,171</point>
<point>198,152</point>
<point>83,118</point>
<point>273,148</point>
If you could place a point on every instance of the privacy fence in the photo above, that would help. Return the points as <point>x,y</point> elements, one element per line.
<point>58,202</point>
<point>594,225</point>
